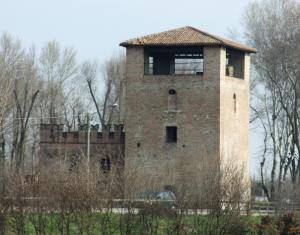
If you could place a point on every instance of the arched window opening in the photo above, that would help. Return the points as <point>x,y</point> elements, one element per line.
<point>172,92</point>
<point>172,100</point>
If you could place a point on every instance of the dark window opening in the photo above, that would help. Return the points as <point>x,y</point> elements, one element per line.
<point>235,63</point>
<point>99,135</point>
<point>52,133</point>
<point>105,164</point>
<point>172,92</point>
<point>234,102</point>
<point>171,134</point>
<point>172,100</point>
<point>173,61</point>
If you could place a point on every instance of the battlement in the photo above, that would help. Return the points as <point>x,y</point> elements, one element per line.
<point>54,133</point>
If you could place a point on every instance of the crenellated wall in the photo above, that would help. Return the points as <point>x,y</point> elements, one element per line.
<point>54,133</point>
<point>58,147</point>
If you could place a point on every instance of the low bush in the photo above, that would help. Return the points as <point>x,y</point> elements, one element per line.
<point>288,224</point>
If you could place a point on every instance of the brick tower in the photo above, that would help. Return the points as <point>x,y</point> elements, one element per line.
<point>187,101</point>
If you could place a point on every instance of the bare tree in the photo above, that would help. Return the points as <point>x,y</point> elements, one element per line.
<point>109,106</point>
<point>273,28</point>
<point>25,93</point>
<point>11,53</point>
<point>56,68</point>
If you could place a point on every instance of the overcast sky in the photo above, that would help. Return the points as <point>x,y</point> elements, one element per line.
<point>96,27</point>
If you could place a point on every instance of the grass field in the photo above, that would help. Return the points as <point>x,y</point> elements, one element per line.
<point>109,223</point>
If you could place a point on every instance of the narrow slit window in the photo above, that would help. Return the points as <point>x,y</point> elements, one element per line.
<point>172,100</point>
<point>234,103</point>
<point>171,134</point>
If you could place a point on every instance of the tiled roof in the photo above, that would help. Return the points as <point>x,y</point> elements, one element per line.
<point>185,36</point>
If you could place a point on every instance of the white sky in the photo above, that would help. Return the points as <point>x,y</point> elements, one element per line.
<point>96,27</point>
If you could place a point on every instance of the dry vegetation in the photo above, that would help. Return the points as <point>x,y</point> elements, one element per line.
<point>41,87</point>
<point>64,202</point>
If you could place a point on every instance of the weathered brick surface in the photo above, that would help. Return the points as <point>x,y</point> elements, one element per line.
<point>58,147</point>
<point>212,130</point>
<point>208,128</point>
<point>234,132</point>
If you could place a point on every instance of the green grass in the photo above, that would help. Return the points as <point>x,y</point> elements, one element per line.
<point>115,224</point>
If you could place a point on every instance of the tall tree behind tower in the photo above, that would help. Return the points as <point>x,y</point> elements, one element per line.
<point>57,67</point>
<point>273,28</point>
<point>109,103</point>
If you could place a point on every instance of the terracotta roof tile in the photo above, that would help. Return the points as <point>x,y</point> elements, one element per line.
<point>185,36</point>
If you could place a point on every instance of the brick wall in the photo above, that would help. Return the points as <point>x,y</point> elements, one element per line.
<point>57,146</point>
<point>212,126</point>
<point>234,119</point>
<point>154,162</point>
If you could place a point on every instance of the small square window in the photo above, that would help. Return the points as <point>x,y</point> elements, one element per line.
<point>171,134</point>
